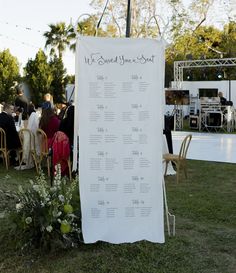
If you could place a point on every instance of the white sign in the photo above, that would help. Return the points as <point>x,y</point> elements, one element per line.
<point>120,89</point>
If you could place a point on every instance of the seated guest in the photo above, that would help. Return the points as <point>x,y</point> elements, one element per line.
<point>222,98</point>
<point>33,125</point>
<point>62,110</point>
<point>49,123</point>
<point>1,107</point>
<point>33,122</point>
<point>21,102</point>
<point>48,101</point>
<point>67,124</point>
<point>8,125</point>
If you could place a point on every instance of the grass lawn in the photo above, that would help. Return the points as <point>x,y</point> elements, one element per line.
<point>205,241</point>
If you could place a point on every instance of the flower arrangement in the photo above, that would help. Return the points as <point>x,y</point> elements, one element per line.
<point>46,215</point>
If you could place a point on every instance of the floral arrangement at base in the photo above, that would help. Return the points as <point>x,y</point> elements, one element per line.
<point>48,215</point>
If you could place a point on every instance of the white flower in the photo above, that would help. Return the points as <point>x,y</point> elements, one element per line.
<point>53,189</point>
<point>36,188</point>
<point>61,198</point>
<point>21,189</point>
<point>49,228</point>
<point>28,220</point>
<point>19,206</point>
<point>31,182</point>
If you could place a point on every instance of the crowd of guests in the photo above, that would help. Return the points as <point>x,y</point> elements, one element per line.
<point>48,117</point>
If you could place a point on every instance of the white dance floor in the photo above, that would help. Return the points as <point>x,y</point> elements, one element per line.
<point>208,146</point>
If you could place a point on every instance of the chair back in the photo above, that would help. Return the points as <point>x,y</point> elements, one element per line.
<point>25,136</point>
<point>42,142</point>
<point>184,147</point>
<point>3,141</point>
<point>27,140</point>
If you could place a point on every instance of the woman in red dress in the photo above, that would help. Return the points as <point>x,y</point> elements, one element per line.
<point>49,123</point>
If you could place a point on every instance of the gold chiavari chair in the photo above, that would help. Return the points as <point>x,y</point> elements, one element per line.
<point>28,146</point>
<point>3,147</point>
<point>179,159</point>
<point>43,152</point>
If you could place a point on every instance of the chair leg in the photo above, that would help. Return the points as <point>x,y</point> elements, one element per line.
<point>35,162</point>
<point>166,165</point>
<point>185,169</point>
<point>20,160</point>
<point>7,162</point>
<point>48,166</point>
<point>177,172</point>
<point>69,167</point>
<point>5,158</point>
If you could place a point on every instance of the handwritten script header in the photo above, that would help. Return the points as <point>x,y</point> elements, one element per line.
<point>99,59</point>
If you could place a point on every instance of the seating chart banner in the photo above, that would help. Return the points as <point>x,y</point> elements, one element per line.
<point>120,91</point>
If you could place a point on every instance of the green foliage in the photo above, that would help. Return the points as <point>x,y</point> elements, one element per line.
<point>39,76</point>
<point>59,37</point>
<point>70,79</point>
<point>228,46</point>
<point>228,42</point>
<point>88,26</point>
<point>9,72</point>
<point>205,42</point>
<point>46,215</point>
<point>59,79</point>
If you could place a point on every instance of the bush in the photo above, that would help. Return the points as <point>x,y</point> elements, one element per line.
<point>48,215</point>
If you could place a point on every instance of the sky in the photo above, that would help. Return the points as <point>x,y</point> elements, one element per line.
<point>22,24</point>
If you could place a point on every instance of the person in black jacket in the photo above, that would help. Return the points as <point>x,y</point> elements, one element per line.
<point>8,125</point>
<point>67,124</point>
<point>222,98</point>
<point>21,102</point>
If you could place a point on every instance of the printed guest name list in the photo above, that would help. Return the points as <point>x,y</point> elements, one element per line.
<point>120,139</point>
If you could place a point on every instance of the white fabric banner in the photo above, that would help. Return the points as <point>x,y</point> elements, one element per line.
<point>118,110</point>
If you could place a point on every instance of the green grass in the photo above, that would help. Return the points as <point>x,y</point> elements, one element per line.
<point>205,241</point>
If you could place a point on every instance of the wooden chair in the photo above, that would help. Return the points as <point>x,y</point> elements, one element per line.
<point>43,153</point>
<point>180,159</point>
<point>5,151</point>
<point>3,147</point>
<point>28,145</point>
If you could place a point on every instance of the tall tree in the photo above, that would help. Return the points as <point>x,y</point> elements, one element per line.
<point>229,39</point>
<point>203,43</point>
<point>59,37</point>
<point>39,76</point>
<point>59,80</point>
<point>9,72</point>
<point>228,46</point>
<point>149,20</point>
<point>115,15</point>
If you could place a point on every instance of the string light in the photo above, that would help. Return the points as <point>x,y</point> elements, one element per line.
<point>23,27</point>
<point>13,39</point>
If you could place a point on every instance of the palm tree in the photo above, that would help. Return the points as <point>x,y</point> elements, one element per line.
<point>59,37</point>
